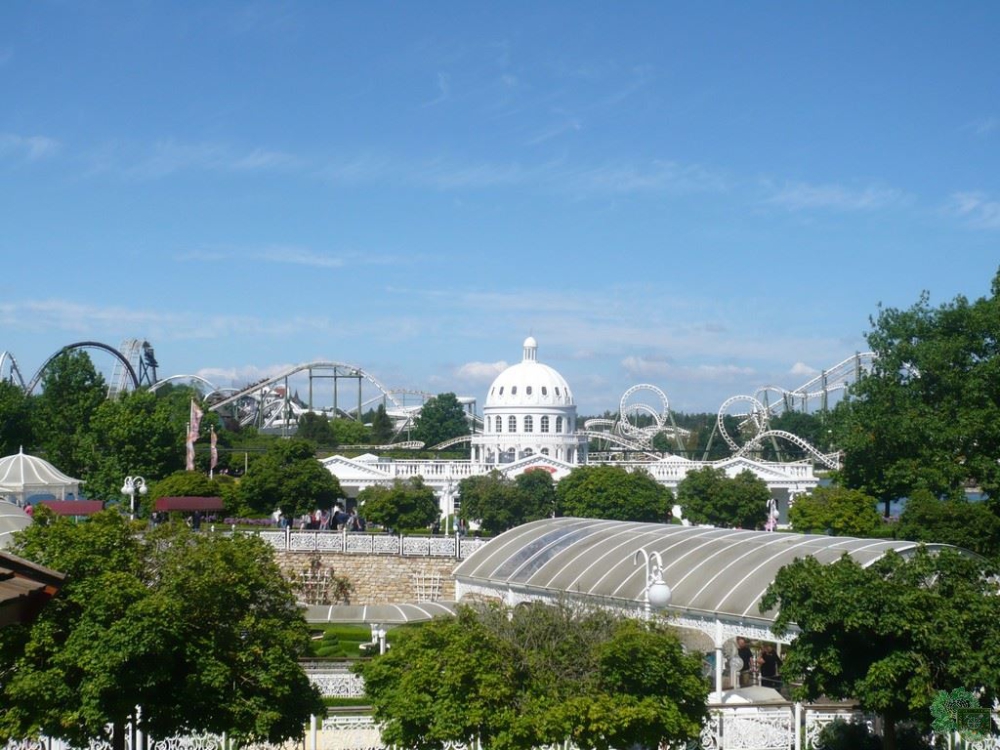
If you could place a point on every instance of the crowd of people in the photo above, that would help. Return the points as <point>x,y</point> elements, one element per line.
<point>334,519</point>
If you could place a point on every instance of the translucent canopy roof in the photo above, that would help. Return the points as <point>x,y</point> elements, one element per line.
<point>12,519</point>
<point>712,572</point>
<point>383,614</point>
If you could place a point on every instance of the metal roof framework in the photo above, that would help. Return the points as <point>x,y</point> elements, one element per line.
<point>717,576</point>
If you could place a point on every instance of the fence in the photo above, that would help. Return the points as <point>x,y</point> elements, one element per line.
<point>361,543</point>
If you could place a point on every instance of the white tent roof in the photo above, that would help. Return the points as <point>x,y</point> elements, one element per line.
<point>22,475</point>
<point>12,519</point>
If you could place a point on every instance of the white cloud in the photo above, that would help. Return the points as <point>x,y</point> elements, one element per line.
<point>797,196</point>
<point>480,372</point>
<point>444,90</point>
<point>983,126</point>
<point>800,368</point>
<point>977,209</point>
<point>30,147</point>
<point>643,367</point>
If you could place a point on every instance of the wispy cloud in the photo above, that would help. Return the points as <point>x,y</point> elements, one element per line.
<point>977,209</point>
<point>29,147</point>
<point>6,55</point>
<point>982,126</point>
<point>798,196</point>
<point>169,157</point>
<point>443,88</point>
<point>570,125</point>
<point>292,255</point>
<point>802,369</point>
<point>610,178</point>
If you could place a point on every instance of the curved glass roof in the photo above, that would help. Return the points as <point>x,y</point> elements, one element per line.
<point>723,572</point>
<point>384,614</point>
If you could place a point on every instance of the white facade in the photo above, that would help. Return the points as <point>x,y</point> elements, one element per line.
<point>529,411</point>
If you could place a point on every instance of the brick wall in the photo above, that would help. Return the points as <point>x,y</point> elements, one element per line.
<point>382,579</point>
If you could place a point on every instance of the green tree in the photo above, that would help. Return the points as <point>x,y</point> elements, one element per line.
<point>72,392</point>
<point>441,418</point>
<point>709,496</point>
<point>613,493</point>
<point>497,503</point>
<point>288,476</point>
<point>382,429</point>
<point>891,634</point>
<point>15,419</point>
<point>201,632</point>
<point>349,432</point>
<point>135,434</point>
<point>927,415</point>
<point>534,676</point>
<point>836,510</point>
<point>408,504</point>
<point>971,525</point>
<point>183,484</point>
<point>315,428</point>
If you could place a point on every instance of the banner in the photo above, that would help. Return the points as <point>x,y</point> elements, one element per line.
<point>215,453</point>
<point>190,451</point>
<point>196,415</point>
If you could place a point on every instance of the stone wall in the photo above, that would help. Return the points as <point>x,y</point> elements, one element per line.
<point>382,579</point>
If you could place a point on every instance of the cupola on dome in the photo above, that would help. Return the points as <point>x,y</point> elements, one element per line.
<point>529,383</point>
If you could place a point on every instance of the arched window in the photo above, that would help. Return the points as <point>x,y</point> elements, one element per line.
<point>527,390</point>
<point>513,390</point>
<point>545,451</point>
<point>545,391</point>
<point>512,424</point>
<point>557,390</point>
<point>544,426</point>
<point>528,424</point>
<point>499,424</point>
<point>558,424</point>
<point>501,390</point>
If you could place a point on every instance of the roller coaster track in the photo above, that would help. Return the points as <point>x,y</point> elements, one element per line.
<point>9,371</point>
<point>128,377</point>
<point>830,460</point>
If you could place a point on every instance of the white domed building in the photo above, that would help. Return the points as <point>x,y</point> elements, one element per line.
<point>529,411</point>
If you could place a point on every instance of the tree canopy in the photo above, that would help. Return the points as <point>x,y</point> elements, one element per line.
<point>891,634</point>
<point>536,676</point>
<point>408,504</point>
<point>498,503</point>
<point>613,493</point>
<point>441,418</point>
<point>201,632</point>
<point>288,476</point>
<point>971,525</point>
<point>927,415</point>
<point>836,510</point>
<point>709,496</point>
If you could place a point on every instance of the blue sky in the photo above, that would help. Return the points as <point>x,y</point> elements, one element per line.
<point>708,197</point>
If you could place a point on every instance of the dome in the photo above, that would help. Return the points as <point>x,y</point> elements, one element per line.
<point>12,519</point>
<point>529,383</point>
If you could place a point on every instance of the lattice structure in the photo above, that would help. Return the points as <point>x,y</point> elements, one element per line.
<point>427,586</point>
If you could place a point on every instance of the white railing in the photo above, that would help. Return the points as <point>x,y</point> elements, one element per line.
<point>360,543</point>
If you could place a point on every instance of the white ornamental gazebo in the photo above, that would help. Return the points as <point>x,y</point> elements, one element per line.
<point>22,476</point>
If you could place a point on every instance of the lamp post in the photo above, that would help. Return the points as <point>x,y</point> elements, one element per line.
<point>132,486</point>
<point>656,594</point>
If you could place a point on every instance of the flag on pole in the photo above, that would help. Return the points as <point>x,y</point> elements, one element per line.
<point>189,466</point>
<point>215,454</point>
<point>196,415</point>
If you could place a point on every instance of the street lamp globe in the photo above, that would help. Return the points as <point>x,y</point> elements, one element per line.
<point>659,594</point>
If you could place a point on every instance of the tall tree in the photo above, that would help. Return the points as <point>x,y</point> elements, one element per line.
<point>408,504</point>
<point>614,493</point>
<point>836,510</point>
<point>288,476</point>
<point>315,428</point>
<point>441,418</point>
<point>927,415</point>
<point>535,676</point>
<point>891,634</point>
<point>971,525</point>
<point>135,434</point>
<point>15,419</point>
<point>72,391</point>
<point>708,495</point>
<point>498,503</point>
<point>200,632</point>
<point>382,429</point>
